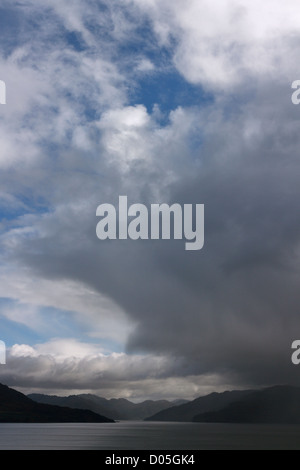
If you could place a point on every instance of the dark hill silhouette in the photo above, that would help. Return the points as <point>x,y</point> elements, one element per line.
<point>187,411</point>
<point>17,408</point>
<point>116,408</point>
<point>279,404</point>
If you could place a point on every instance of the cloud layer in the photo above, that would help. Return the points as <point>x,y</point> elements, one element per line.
<point>65,365</point>
<point>84,124</point>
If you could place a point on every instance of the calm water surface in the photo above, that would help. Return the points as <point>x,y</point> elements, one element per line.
<point>137,435</point>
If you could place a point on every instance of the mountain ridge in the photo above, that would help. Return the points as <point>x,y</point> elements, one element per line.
<point>188,411</point>
<point>273,405</point>
<point>116,408</point>
<point>15,407</point>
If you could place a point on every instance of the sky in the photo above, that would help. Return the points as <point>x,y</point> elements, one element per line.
<point>164,101</point>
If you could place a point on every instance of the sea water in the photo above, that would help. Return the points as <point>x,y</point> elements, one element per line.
<point>139,435</point>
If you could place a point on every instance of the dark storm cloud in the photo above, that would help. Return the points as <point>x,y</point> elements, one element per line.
<point>233,306</point>
<point>230,308</point>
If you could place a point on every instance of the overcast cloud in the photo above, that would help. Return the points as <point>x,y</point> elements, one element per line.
<point>162,101</point>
